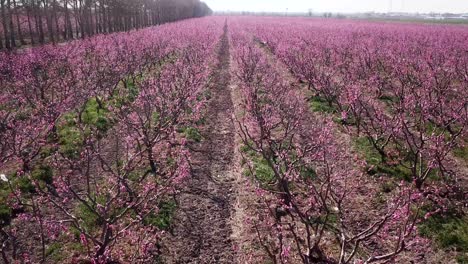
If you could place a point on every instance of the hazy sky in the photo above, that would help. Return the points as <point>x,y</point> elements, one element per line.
<point>457,6</point>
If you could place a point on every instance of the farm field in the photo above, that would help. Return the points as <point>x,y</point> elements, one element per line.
<point>238,140</point>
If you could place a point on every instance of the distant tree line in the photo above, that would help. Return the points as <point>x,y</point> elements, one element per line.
<point>33,22</point>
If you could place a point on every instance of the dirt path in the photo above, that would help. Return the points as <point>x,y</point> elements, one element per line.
<point>202,231</point>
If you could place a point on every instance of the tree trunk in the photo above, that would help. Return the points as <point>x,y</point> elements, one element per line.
<point>5,24</point>
<point>28,15</point>
<point>50,28</point>
<point>81,19</point>
<point>1,42</point>
<point>96,18</point>
<point>12,26</point>
<point>109,20</point>
<point>39,23</point>
<point>57,24</point>
<point>88,18</point>
<point>65,21</point>
<point>92,20</point>
<point>18,24</point>
<point>68,23</point>
<point>104,18</point>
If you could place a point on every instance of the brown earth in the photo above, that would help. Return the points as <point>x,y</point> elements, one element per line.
<point>202,225</point>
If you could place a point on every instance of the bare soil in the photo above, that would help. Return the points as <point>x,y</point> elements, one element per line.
<point>202,225</point>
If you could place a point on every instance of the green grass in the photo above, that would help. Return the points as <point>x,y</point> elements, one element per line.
<point>388,98</point>
<point>43,173</point>
<point>432,128</point>
<point>262,172</point>
<point>5,213</point>
<point>201,121</point>
<point>332,219</point>
<point>319,104</point>
<point>71,134</point>
<point>47,151</point>
<point>164,218</point>
<point>364,147</point>
<point>132,90</point>
<point>54,252</point>
<point>461,152</point>
<point>89,220</point>
<point>449,231</point>
<point>373,158</point>
<point>4,194</point>
<point>96,116</point>
<point>126,95</point>
<point>191,133</point>
<point>308,173</point>
<point>389,101</point>
<point>387,187</point>
<point>462,258</point>
<point>24,184</point>
<point>205,95</point>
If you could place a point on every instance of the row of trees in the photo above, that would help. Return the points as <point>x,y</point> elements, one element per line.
<point>397,91</point>
<point>408,101</point>
<point>92,143</point>
<point>39,21</point>
<point>310,186</point>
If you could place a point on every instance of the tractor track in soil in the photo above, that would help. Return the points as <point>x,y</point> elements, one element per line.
<point>202,229</point>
